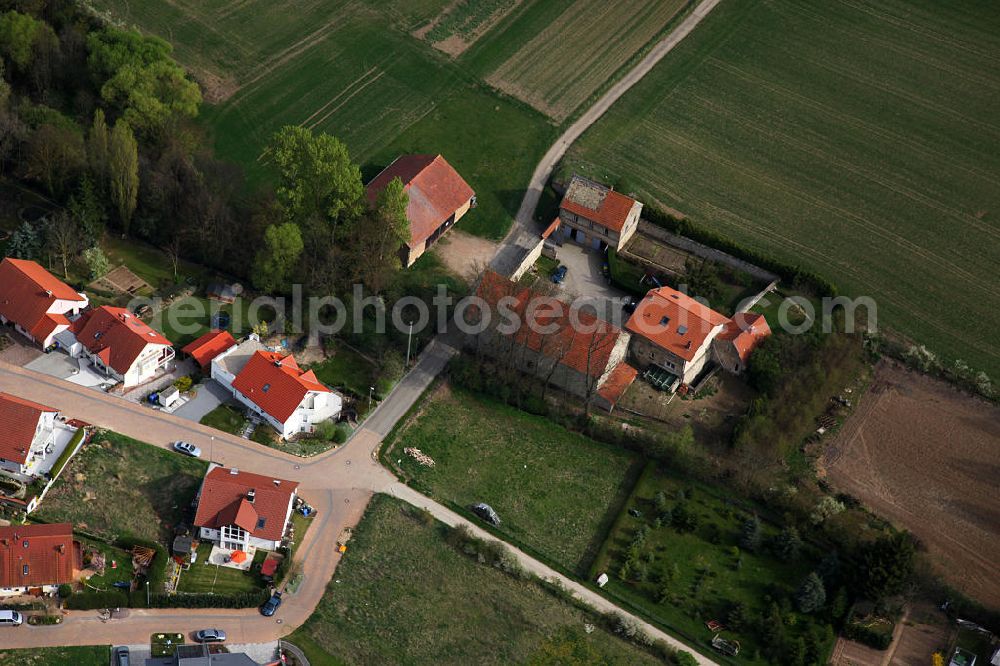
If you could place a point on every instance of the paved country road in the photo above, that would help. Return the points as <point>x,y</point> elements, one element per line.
<point>338,483</point>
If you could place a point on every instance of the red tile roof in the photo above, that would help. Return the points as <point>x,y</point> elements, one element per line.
<point>549,230</point>
<point>587,350</point>
<point>611,211</point>
<point>276,383</point>
<point>27,291</point>
<point>115,335</point>
<point>18,422</point>
<point>435,189</point>
<point>224,501</point>
<point>746,331</point>
<point>674,321</point>
<point>620,379</point>
<point>208,346</point>
<point>45,552</point>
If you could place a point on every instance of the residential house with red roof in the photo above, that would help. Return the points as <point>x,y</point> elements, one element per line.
<point>675,332</point>
<point>239,511</point>
<point>438,198</point>
<point>28,430</point>
<point>572,350</point>
<point>37,303</point>
<point>119,344</point>
<point>37,558</point>
<point>597,216</point>
<point>208,346</point>
<point>273,386</point>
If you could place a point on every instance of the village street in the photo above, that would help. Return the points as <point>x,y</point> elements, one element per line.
<point>338,483</point>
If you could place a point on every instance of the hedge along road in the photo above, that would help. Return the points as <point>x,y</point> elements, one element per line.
<point>338,483</point>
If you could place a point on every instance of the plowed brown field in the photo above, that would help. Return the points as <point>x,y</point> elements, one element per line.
<point>927,457</point>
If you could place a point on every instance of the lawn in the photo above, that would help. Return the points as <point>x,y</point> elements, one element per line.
<point>554,490</point>
<point>681,579</point>
<point>188,318</point>
<point>121,572</point>
<point>402,595</point>
<point>91,655</point>
<point>116,486</point>
<point>213,579</point>
<point>227,418</point>
<point>347,370</point>
<point>859,141</point>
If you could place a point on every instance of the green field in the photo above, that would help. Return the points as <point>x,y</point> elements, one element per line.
<point>354,71</point>
<point>403,595</point>
<point>858,140</point>
<point>553,489</point>
<point>861,141</point>
<point>116,486</point>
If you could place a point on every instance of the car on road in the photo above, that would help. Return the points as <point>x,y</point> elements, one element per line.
<point>559,274</point>
<point>187,449</point>
<point>120,656</point>
<point>271,605</point>
<point>210,635</point>
<point>630,305</point>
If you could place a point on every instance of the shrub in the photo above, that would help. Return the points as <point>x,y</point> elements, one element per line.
<point>786,544</point>
<point>341,434</point>
<point>65,590</point>
<point>183,384</point>
<point>811,595</point>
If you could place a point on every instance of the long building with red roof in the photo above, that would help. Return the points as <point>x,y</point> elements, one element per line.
<point>572,350</point>
<point>208,346</point>
<point>37,557</point>
<point>120,345</point>
<point>438,198</point>
<point>36,302</point>
<point>239,510</point>
<point>273,386</point>
<point>597,216</point>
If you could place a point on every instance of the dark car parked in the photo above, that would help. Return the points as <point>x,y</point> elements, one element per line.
<point>559,274</point>
<point>271,605</point>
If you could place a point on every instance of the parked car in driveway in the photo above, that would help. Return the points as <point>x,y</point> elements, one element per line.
<point>9,618</point>
<point>210,635</point>
<point>271,605</point>
<point>559,274</point>
<point>187,449</point>
<point>120,656</point>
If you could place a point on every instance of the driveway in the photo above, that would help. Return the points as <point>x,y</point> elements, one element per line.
<point>76,371</point>
<point>585,282</point>
<point>210,394</point>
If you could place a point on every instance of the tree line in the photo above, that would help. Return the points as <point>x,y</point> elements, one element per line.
<point>103,120</point>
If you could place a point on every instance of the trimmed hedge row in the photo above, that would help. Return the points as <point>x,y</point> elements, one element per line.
<point>794,275</point>
<point>120,599</point>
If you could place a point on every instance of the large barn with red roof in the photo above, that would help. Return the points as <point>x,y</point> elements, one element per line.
<point>35,301</point>
<point>438,198</point>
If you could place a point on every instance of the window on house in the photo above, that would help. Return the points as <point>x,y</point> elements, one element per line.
<point>267,387</point>
<point>681,330</point>
<point>24,570</point>
<point>25,543</point>
<point>261,522</point>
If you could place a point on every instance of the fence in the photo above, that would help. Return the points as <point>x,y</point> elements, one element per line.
<point>650,229</point>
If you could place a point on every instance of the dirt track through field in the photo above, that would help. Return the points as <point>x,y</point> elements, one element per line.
<point>925,456</point>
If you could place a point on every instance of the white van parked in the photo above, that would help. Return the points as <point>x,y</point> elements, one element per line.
<point>10,618</point>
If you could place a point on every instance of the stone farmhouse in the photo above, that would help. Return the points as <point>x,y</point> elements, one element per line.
<point>585,360</point>
<point>28,430</point>
<point>36,302</point>
<point>119,344</point>
<point>438,198</point>
<point>37,558</point>
<point>275,388</point>
<point>672,331</point>
<point>597,216</point>
<point>243,511</point>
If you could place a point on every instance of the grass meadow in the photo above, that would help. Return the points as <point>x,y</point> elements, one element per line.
<point>860,141</point>
<point>403,595</point>
<point>91,655</point>
<point>554,490</point>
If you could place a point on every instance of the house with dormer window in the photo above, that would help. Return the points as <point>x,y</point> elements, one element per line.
<point>243,511</point>
<point>37,558</point>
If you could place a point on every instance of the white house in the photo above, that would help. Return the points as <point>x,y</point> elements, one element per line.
<point>28,430</point>
<point>273,386</point>
<point>36,302</point>
<point>37,557</point>
<point>241,511</point>
<point>119,344</point>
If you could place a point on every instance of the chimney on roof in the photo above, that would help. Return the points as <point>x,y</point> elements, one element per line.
<point>48,292</point>
<point>277,482</point>
<point>687,345</point>
<point>277,362</point>
<point>61,548</point>
<point>251,494</point>
<point>233,471</point>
